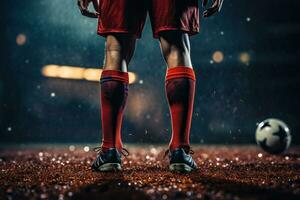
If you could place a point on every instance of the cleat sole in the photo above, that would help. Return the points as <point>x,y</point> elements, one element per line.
<point>180,167</point>
<point>110,167</point>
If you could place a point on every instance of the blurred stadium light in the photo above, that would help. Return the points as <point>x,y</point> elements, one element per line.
<point>77,73</point>
<point>21,39</point>
<point>245,58</point>
<point>218,57</point>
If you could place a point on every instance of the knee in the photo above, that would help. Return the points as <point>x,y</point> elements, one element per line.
<point>122,45</point>
<point>174,45</point>
<point>174,53</point>
<point>118,51</point>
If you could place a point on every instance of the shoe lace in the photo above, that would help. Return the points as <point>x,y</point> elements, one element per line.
<point>123,151</point>
<point>98,150</point>
<point>168,152</point>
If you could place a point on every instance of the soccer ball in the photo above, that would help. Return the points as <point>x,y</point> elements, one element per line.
<point>273,136</point>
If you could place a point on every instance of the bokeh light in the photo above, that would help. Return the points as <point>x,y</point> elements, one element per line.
<point>70,72</point>
<point>86,148</point>
<point>21,39</point>
<point>218,57</point>
<point>244,58</point>
<point>72,148</point>
<point>50,70</point>
<point>92,74</point>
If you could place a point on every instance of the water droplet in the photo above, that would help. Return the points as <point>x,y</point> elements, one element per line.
<point>72,148</point>
<point>286,157</point>
<point>86,148</point>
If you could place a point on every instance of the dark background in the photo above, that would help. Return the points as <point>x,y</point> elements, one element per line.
<point>232,96</point>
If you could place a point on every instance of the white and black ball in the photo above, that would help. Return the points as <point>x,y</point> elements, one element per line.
<point>273,136</point>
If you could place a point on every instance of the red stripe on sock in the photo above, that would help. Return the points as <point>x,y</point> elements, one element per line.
<point>116,75</point>
<point>180,72</point>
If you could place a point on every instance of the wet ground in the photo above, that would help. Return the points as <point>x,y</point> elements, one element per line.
<point>63,172</point>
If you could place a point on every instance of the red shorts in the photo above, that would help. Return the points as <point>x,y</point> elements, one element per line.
<point>129,16</point>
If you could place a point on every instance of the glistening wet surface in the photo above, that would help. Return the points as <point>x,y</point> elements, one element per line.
<point>63,172</point>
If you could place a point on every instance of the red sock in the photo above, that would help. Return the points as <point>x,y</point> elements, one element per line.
<point>114,91</point>
<point>180,91</point>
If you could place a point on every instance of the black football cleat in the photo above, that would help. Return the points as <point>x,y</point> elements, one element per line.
<point>109,160</point>
<point>181,161</point>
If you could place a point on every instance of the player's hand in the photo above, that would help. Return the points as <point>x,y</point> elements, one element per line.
<point>216,7</point>
<point>83,7</point>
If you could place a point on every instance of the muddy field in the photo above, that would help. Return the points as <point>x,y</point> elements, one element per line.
<point>63,172</point>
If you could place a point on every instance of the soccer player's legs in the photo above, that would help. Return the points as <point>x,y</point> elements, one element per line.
<point>180,85</point>
<point>117,24</point>
<point>180,15</point>
<point>114,81</point>
<point>119,48</point>
<point>173,22</point>
<point>121,16</point>
<point>180,92</point>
